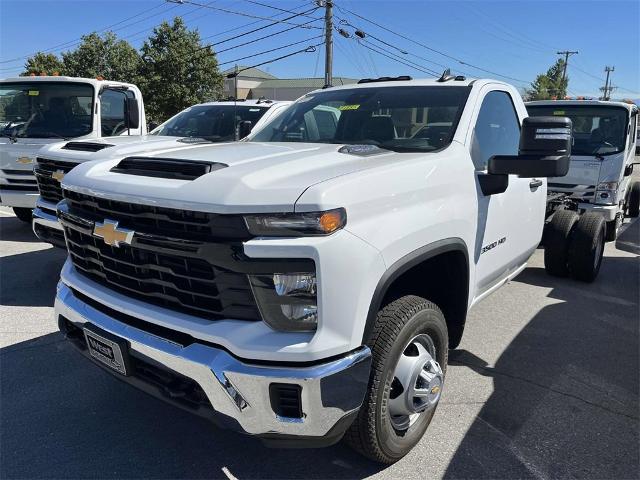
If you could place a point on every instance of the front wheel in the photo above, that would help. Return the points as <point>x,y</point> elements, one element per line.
<point>587,247</point>
<point>409,347</point>
<point>23,214</point>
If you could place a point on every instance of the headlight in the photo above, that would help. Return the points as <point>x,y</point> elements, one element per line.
<point>296,224</point>
<point>287,301</point>
<point>609,186</point>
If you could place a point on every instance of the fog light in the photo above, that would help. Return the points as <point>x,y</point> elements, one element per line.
<point>294,283</point>
<point>287,301</point>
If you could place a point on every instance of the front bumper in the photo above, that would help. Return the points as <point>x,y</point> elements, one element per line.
<point>18,198</point>
<point>237,392</point>
<point>609,212</point>
<point>45,224</point>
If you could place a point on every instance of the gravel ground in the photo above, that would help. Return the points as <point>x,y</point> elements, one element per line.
<point>544,385</point>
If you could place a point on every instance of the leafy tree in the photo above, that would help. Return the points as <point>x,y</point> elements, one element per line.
<point>47,63</point>
<point>177,70</point>
<point>103,56</point>
<point>549,85</point>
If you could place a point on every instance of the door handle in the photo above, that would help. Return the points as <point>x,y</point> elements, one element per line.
<point>535,183</point>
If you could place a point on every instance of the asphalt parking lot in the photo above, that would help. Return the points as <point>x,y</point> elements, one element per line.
<point>544,385</point>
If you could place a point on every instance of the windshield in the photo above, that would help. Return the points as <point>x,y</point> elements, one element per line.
<point>46,109</point>
<point>596,130</point>
<point>404,118</point>
<point>216,123</point>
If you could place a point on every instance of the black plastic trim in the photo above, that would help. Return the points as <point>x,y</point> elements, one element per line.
<point>405,264</point>
<point>173,168</point>
<point>492,184</point>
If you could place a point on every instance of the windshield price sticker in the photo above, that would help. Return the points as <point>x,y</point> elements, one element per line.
<point>348,107</point>
<point>34,93</point>
<point>558,112</point>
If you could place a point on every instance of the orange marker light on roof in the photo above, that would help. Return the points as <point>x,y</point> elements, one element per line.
<point>99,77</point>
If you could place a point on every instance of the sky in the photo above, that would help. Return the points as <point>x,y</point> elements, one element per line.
<point>511,40</point>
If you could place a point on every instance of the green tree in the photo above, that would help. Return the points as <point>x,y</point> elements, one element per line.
<point>549,85</point>
<point>177,70</point>
<point>103,56</point>
<point>47,63</point>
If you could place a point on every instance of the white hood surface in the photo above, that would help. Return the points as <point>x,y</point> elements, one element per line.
<point>260,177</point>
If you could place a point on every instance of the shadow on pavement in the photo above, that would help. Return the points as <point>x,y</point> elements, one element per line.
<point>629,239</point>
<point>63,417</point>
<point>14,230</point>
<point>29,279</point>
<point>565,400</point>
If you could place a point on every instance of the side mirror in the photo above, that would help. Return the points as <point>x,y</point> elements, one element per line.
<point>152,125</point>
<point>244,128</point>
<point>545,149</point>
<point>133,113</point>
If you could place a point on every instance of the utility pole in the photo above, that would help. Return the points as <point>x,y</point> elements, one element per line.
<point>607,89</point>
<point>567,54</point>
<point>328,42</point>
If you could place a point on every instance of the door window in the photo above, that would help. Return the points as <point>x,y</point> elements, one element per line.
<point>497,130</point>
<point>112,112</point>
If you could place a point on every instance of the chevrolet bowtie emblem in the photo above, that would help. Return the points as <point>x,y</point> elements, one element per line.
<point>111,234</point>
<point>57,175</point>
<point>24,160</point>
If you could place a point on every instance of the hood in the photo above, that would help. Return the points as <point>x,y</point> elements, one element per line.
<point>120,146</point>
<point>21,155</point>
<point>259,177</point>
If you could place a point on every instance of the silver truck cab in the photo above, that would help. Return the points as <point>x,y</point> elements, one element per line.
<point>602,158</point>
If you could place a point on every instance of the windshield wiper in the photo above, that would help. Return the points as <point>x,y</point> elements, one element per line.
<point>50,135</point>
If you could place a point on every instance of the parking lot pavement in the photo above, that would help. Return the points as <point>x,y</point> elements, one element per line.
<point>545,384</point>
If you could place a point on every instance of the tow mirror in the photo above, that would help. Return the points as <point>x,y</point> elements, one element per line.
<point>244,128</point>
<point>545,148</point>
<point>152,125</point>
<point>133,113</point>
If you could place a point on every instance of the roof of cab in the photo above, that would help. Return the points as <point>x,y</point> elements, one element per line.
<point>591,103</point>
<point>61,78</point>
<point>420,82</point>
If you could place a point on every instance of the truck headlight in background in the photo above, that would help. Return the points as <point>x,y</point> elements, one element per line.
<point>287,301</point>
<point>296,224</point>
<point>607,191</point>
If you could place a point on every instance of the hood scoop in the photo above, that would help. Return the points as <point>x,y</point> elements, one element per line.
<point>363,150</point>
<point>173,168</point>
<point>86,146</point>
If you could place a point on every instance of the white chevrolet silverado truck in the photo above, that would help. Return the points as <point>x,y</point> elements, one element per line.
<point>602,160</point>
<point>37,111</point>
<point>206,123</point>
<point>306,284</point>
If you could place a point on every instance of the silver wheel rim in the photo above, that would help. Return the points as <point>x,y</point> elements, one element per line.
<point>417,383</point>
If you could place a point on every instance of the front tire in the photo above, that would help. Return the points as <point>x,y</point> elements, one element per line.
<point>23,214</point>
<point>409,347</point>
<point>557,234</point>
<point>587,247</point>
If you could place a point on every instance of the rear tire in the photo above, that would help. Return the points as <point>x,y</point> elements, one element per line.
<point>587,247</point>
<point>633,208</point>
<point>23,214</point>
<point>375,432</point>
<point>556,242</point>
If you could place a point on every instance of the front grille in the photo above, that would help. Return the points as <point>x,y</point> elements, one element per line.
<point>25,182</point>
<point>169,222</point>
<point>190,276</point>
<point>49,187</point>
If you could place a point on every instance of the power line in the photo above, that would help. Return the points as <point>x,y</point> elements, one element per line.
<point>231,12</point>
<point>444,54</point>
<point>309,49</point>
<point>279,32</point>
<point>71,43</point>
<point>272,7</point>
<point>406,63</point>
<point>270,50</point>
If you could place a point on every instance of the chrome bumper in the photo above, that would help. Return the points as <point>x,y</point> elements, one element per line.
<point>331,392</point>
<point>45,224</point>
<point>18,198</point>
